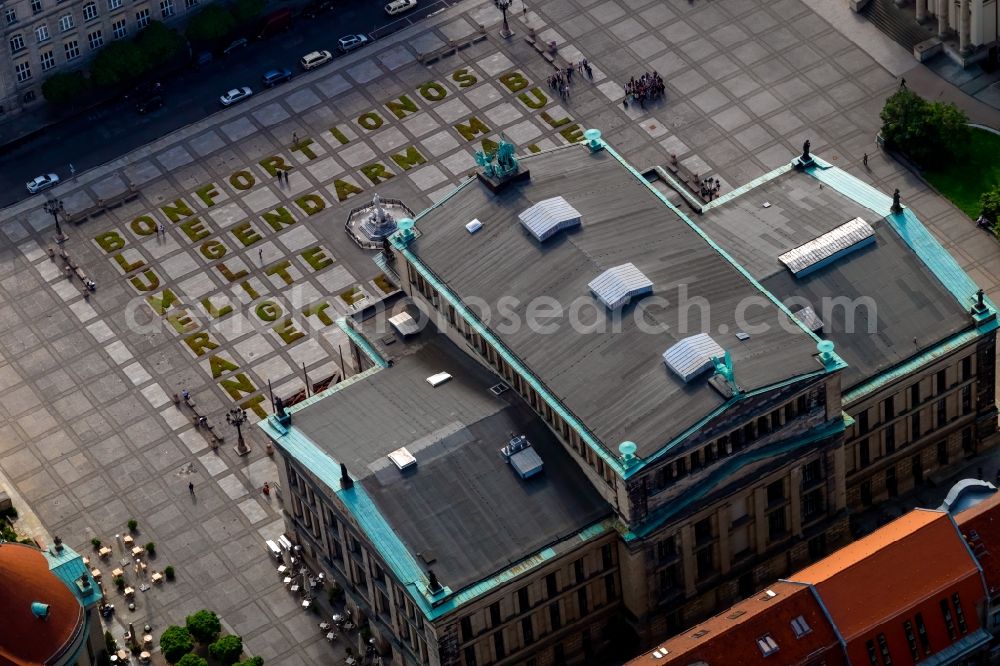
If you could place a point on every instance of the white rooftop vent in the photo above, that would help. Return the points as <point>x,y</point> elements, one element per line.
<point>404,324</point>
<point>438,379</point>
<point>402,458</point>
<point>525,461</point>
<point>474,226</point>
<point>617,286</point>
<point>693,355</point>
<point>809,319</point>
<point>829,247</point>
<point>549,216</point>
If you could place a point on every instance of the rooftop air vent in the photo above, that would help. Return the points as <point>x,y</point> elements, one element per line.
<point>438,379</point>
<point>617,286</point>
<point>402,459</point>
<point>499,389</point>
<point>404,324</point>
<point>692,356</point>
<point>829,247</point>
<point>522,457</point>
<point>547,217</point>
<point>809,319</point>
<point>40,610</point>
<point>474,226</point>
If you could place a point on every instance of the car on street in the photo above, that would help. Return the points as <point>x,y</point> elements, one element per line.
<point>235,95</point>
<point>399,6</point>
<point>149,103</point>
<point>315,59</point>
<point>235,45</point>
<point>273,77</point>
<point>348,43</point>
<point>43,182</point>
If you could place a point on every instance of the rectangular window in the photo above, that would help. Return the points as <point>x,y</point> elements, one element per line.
<point>609,587</point>
<point>66,23</point>
<point>872,654</point>
<point>966,368</point>
<point>189,4</point>
<point>36,6</point>
<point>863,422</point>
<point>705,562</point>
<point>578,570</point>
<point>925,641</point>
<point>466,626</point>
<point>114,4</point>
<point>142,18</point>
<point>941,381</point>
<point>949,622</point>
<point>72,49</point>
<point>967,399</point>
<point>776,492</point>
<point>800,626</point>
<point>498,646</point>
<point>522,600</point>
<point>16,43</point>
<point>166,8</point>
<point>527,631</point>
<point>911,640</point>
<point>96,40</point>
<point>767,645</point>
<point>864,453</point>
<point>10,16</point>
<point>915,395</point>
<point>812,504</point>
<point>959,614</point>
<point>866,492</point>
<point>967,444</point>
<point>915,426</point>
<point>551,588</point>
<point>703,531</point>
<point>668,579</point>
<point>666,549</point>
<point>23,71</point>
<point>776,526</point>
<point>890,438</point>
<point>495,614</point>
<point>889,405</point>
<point>942,412</point>
<point>812,472</point>
<point>555,617</point>
<point>606,559</point>
<point>883,646</point>
<point>118,29</point>
<point>470,656</point>
<point>48,60</point>
<point>42,33</point>
<point>581,601</point>
<point>90,11</point>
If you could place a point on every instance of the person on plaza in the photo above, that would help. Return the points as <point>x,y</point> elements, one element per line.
<point>191,487</point>
<point>266,489</point>
<point>864,160</point>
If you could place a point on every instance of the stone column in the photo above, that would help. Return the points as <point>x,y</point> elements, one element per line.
<point>921,10</point>
<point>687,557</point>
<point>942,17</point>
<point>963,26</point>
<point>795,495</point>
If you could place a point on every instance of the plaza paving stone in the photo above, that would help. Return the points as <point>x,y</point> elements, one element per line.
<point>89,434</point>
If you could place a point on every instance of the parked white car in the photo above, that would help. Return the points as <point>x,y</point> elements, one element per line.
<point>315,59</point>
<point>235,95</point>
<point>43,182</point>
<point>399,6</point>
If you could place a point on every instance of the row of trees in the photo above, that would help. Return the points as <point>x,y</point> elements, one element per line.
<point>926,132</point>
<point>123,62</point>
<point>203,627</point>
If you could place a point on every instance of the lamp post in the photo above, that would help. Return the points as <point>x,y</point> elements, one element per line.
<point>236,418</point>
<point>503,6</point>
<point>54,207</point>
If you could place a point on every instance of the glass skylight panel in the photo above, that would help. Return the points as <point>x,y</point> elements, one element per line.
<point>616,286</point>
<point>692,355</point>
<point>549,216</point>
<point>822,250</point>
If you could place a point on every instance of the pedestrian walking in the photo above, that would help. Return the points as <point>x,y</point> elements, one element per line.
<point>72,170</point>
<point>285,176</point>
<point>186,394</point>
<point>864,160</point>
<point>191,487</point>
<point>902,83</point>
<point>277,174</point>
<point>295,139</point>
<point>260,253</point>
<point>161,230</point>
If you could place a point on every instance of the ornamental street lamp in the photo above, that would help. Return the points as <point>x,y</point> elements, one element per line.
<point>236,418</point>
<point>54,207</point>
<point>503,6</point>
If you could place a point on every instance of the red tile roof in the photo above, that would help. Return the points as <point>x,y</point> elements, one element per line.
<point>980,525</point>
<point>26,640</point>
<point>913,558</point>
<point>730,639</point>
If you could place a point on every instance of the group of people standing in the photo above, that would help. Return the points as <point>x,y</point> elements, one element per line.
<point>646,88</point>
<point>561,80</point>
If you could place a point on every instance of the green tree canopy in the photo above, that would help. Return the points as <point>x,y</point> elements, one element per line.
<point>158,43</point>
<point>192,660</point>
<point>247,11</point>
<point>989,202</point>
<point>175,642</point>
<point>204,626</point>
<point>118,62</point>
<point>210,24</point>
<point>226,650</point>
<point>926,131</point>
<point>65,88</point>
<point>252,661</point>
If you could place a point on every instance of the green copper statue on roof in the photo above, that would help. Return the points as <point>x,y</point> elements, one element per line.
<point>499,163</point>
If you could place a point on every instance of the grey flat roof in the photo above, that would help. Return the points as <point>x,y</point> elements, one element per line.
<point>909,301</point>
<point>461,505</point>
<point>614,382</point>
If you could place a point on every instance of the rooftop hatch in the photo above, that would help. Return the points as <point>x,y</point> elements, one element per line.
<point>691,356</point>
<point>549,216</point>
<point>827,248</point>
<point>404,324</point>
<point>525,461</point>
<point>618,285</point>
<point>402,458</point>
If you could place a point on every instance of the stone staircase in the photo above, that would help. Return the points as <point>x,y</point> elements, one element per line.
<point>896,23</point>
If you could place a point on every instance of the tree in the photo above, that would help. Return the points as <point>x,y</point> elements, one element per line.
<point>118,62</point>
<point>204,626</point>
<point>925,131</point>
<point>246,11</point>
<point>175,642</point>
<point>226,650</point>
<point>989,202</point>
<point>210,24</point>
<point>252,661</point>
<point>192,660</point>
<point>65,88</point>
<point>158,43</point>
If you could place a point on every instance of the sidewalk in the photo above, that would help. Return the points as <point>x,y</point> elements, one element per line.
<point>930,86</point>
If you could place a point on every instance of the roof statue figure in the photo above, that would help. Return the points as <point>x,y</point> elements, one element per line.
<point>896,207</point>
<point>485,161</point>
<point>499,163</point>
<point>805,151</point>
